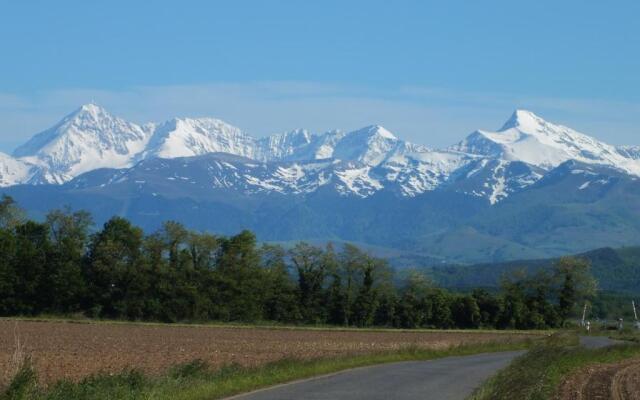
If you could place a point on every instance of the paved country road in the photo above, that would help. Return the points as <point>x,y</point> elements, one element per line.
<point>597,342</point>
<point>443,379</point>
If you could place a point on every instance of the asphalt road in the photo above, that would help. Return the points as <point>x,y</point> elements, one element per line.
<point>444,379</point>
<point>597,342</point>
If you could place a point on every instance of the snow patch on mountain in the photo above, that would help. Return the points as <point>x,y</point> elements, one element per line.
<point>493,179</point>
<point>632,152</point>
<point>498,189</point>
<point>417,169</point>
<point>358,180</point>
<point>319,147</point>
<point>14,171</point>
<point>284,145</point>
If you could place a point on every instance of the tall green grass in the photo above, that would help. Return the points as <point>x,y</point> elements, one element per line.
<point>196,381</point>
<point>629,334</point>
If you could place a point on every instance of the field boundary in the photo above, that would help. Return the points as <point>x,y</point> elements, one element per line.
<point>271,326</point>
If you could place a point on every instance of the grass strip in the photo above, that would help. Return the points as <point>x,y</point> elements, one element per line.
<point>628,334</point>
<point>538,374</point>
<point>268,325</point>
<point>195,381</point>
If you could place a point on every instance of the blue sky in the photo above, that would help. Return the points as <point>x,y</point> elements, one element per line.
<point>429,71</point>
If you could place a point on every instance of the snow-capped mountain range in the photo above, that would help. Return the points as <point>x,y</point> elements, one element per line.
<point>531,189</point>
<point>489,165</point>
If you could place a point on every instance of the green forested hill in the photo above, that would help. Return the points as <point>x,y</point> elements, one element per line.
<point>615,269</point>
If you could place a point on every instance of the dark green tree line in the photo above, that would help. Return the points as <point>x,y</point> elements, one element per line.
<point>61,266</point>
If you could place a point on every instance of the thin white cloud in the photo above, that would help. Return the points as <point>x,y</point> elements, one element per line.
<point>433,116</point>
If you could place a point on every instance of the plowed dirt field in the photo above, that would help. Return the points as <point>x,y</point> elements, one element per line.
<point>609,381</point>
<point>75,350</point>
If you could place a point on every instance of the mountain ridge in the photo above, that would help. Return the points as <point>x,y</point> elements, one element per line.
<point>92,138</point>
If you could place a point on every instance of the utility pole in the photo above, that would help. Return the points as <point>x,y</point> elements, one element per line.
<point>635,314</point>
<point>584,315</point>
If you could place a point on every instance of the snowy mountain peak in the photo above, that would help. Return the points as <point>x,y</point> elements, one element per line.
<point>186,137</point>
<point>89,120</point>
<point>528,138</point>
<point>524,120</point>
<point>90,116</point>
<point>377,130</point>
<point>370,145</point>
<point>84,140</point>
<point>93,109</point>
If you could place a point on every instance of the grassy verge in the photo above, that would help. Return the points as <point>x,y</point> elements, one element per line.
<point>195,380</point>
<point>628,334</point>
<point>537,374</point>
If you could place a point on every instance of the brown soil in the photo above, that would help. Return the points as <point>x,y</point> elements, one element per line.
<point>75,350</point>
<point>609,381</point>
